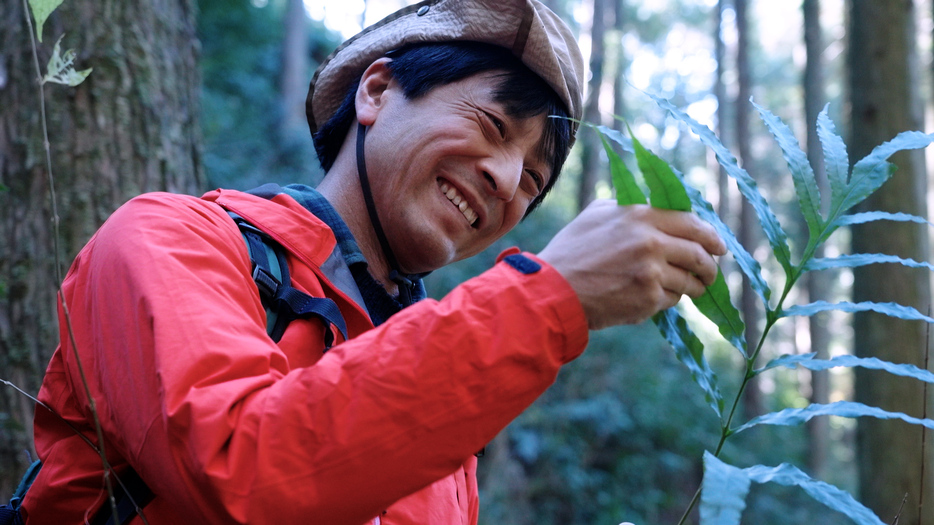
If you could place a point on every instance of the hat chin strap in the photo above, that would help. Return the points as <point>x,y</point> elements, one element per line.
<point>406,285</point>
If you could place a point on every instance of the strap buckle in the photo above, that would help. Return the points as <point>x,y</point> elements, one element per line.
<point>267,284</point>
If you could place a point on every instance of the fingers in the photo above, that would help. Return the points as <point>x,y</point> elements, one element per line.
<point>628,262</point>
<point>687,225</point>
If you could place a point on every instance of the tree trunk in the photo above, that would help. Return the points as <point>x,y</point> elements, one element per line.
<point>294,77</point>
<point>590,143</point>
<point>619,81</point>
<point>818,283</point>
<point>131,127</point>
<point>882,62</point>
<point>719,92</point>
<point>752,396</point>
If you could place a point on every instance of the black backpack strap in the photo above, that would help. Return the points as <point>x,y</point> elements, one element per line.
<point>131,494</point>
<point>10,516</point>
<point>282,301</point>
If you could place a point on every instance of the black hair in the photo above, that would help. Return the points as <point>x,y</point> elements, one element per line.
<point>421,67</point>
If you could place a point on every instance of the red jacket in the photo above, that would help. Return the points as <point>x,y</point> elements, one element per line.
<point>226,426</point>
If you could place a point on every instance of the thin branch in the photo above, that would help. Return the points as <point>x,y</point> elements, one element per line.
<point>900,508</point>
<point>54,413</point>
<point>58,263</point>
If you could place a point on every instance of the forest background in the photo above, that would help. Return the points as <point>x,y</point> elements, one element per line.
<point>189,95</point>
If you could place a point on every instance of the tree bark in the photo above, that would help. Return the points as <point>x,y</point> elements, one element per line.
<point>294,77</point>
<point>752,396</point>
<point>131,127</point>
<point>619,81</point>
<point>590,143</point>
<point>882,77</point>
<point>818,283</point>
<point>719,91</point>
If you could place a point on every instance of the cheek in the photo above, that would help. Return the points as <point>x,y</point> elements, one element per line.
<point>511,217</point>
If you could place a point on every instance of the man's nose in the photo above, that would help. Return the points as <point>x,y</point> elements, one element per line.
<point>503,172</point>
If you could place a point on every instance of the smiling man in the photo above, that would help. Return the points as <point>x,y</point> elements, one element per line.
<point>435,129</point>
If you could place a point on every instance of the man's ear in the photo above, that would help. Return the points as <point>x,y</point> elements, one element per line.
<point>373,85</point>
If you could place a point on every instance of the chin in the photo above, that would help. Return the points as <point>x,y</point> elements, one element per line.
<point>427,262</point>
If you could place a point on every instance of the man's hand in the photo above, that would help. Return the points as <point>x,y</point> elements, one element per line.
<point>628,262</point>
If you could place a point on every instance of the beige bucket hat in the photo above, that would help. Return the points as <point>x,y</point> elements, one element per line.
<point>533,32</point>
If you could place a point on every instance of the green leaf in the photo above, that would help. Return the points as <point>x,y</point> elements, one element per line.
<point>725,488</point>
<point>849,409</point>
<point>870,216</point>
<point>666,191</point>
<point>870,173</point>
<point>872,363</point>
<point>890,309</point>
<point>836,159</point>
<point>862,259</point>
<point>627,190</point>
<point>61,68</point>
<point>745,261</point>
<point>616,136</point>
<point>690,351</point>
<point>776,236</point>
<point>801,172</point>
<point>715,304</point>
<point>834,498</point>
<point>41,9</point>
<point>723,494</point>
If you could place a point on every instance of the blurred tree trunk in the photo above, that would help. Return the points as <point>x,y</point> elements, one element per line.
<point>590,143</point>
<point>719,92</point>
<point>131,127</point>
<point>752,396</point>
<point>294,77</point>
<point>619,81</point>
<point>818,283</point>
<point>882,76</point>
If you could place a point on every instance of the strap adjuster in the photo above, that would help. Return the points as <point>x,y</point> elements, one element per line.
<point>267,284</point>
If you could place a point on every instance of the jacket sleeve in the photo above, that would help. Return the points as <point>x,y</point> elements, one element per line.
<point>202,403</point>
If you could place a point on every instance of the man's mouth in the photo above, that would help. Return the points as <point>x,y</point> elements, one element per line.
<point>460,202</point>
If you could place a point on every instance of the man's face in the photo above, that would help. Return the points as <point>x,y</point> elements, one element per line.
<point>450,171</point>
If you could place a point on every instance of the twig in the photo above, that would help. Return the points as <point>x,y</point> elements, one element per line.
<point>54,413</point>
<point>58,263</point>
<point>902,506</point>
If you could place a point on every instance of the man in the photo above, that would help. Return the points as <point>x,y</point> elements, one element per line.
<point>434,129</point>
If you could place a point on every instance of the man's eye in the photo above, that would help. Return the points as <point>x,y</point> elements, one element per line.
<point>498,123</point>
<point>537,181</point>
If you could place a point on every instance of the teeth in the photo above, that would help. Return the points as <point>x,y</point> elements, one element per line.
<point>451,193</point>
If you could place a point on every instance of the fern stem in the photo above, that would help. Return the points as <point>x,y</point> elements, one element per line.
<point>691,506</point>
<point>725,431</point>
